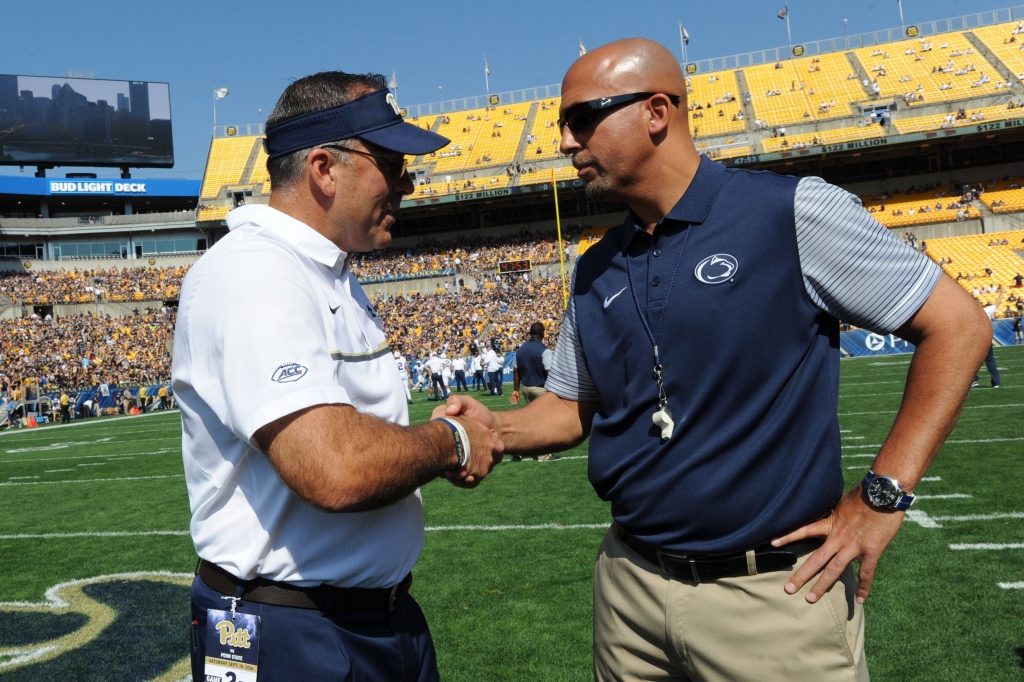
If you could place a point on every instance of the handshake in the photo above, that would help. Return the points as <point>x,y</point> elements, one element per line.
<point>485,445</point>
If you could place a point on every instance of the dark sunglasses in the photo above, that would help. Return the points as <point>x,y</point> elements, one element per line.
<point>393,168</point>
<point>580,117</point>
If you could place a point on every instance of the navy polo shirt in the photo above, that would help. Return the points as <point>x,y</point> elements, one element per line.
<point>745,279</point>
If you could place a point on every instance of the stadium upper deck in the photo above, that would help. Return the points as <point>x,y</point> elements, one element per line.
<point>953,79</point>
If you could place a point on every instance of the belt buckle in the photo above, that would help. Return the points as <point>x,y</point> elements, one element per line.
<point>392,597</point>
<point>690,560</point>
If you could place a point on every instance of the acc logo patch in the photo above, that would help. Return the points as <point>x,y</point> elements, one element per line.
<point>716,269</point>
<point>290,372</point>
<point>394,103</point>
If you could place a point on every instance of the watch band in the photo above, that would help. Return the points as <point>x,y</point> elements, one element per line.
<point>903,502</point>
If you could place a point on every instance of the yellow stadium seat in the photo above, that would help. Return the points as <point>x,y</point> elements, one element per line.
<point>915,63</point>
<point>920,209</point>
<point>1002,42</point>
<point>971,255</point>
<point>916,124</point>
<point>836,136</point>
<point>714,92</point>
<point>480,138</point>
<point>226,163</point>
<point>803,86</point>
<point>1007,196</point>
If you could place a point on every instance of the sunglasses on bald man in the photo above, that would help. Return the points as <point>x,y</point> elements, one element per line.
<point>580,117</point>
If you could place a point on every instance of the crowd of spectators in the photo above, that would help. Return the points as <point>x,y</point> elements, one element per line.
<point>459,319</point>
<point>83,286</point>
<point>79,351</point>
<point>462,255</point>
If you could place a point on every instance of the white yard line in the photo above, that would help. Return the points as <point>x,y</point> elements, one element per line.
<point>981,517</point>
<point>922,519</point>
<point>930,479</point>
<point>948,442</point>
<point>94,422</point>
<point>960,547</point>
<point>876,395</point>
<point>21,478</point>
<point>1012,586</point>
<point>93,480</point>
<point>945,496</point>
<point>93,464</point>
<point>162,451</point>
<point>968,407</point>
<point>54,471</point>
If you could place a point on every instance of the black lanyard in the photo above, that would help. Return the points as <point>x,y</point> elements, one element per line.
<point>662,417</point>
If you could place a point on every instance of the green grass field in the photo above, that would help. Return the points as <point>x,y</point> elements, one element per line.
<point>505,577</point>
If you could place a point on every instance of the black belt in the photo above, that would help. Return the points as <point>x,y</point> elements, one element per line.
<point>320,598</point>
<point>695,568</point>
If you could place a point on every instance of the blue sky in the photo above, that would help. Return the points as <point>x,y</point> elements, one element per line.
<point>255,48</point>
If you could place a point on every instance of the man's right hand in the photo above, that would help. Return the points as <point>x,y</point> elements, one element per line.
<point>484,445</point>
<point>464,406</point>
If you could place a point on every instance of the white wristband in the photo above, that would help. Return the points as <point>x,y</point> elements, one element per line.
<point>462,448</point>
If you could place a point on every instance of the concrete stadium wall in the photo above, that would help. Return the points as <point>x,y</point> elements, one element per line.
<point>96,263</point>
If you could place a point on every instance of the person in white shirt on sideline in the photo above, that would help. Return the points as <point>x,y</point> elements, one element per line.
<point>303,474</point>
<point>437,387</point>
<point>492,364</point>
<point>477,368</point>
<point>446,374</point>
<point>459,370</point>
<point>403,374</point>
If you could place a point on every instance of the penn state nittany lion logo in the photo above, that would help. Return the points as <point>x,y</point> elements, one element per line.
<point>716,269</point>
<point>394,103</point>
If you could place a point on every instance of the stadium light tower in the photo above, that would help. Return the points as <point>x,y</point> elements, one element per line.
<point>441,90</point>
<point>846,38</point>
<point>903,28</point>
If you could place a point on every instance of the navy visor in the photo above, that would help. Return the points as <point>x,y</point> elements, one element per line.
<point>374,117</point>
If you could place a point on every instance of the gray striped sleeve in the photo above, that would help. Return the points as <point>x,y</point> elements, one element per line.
<point>569,377</point>
<point>853,267</point>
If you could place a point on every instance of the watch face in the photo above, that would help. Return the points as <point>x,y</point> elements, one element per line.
<point>883,492</point>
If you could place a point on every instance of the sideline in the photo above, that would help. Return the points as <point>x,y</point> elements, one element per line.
<point>92,422</point>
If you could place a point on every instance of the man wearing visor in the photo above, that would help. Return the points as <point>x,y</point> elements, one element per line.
<point>730,554</point>
<point>303,474</point>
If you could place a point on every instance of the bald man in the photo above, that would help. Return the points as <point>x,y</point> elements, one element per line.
<point>719,451</point>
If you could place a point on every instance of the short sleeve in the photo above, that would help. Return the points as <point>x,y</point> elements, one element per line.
<point>569,378</point>
<point>259,341</point>
<point>853,267</point>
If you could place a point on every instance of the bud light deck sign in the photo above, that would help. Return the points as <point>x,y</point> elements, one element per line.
<point>232,646</point>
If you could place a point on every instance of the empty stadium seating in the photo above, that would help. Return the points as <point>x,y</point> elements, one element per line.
<point>1004,44</point>
<point>891,62</point>
<point>803,86</point>
<point>1004,196</point>
<point>920,209</point>
<point>226,163</point>
<point>481,138</point>
<point>836,136</point>
<point>589,237</point>
<point>916,124</point>
<point>971,255</point>
<point>545,132</point>
<point>709,90</point>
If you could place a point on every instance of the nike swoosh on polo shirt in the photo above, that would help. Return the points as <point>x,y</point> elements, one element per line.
<point>608,299</point>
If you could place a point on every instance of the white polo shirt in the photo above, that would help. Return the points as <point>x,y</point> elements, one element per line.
<point>272,321</point>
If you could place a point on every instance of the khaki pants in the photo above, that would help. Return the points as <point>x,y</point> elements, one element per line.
<point>648,626</point>
<point>531,393</point>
